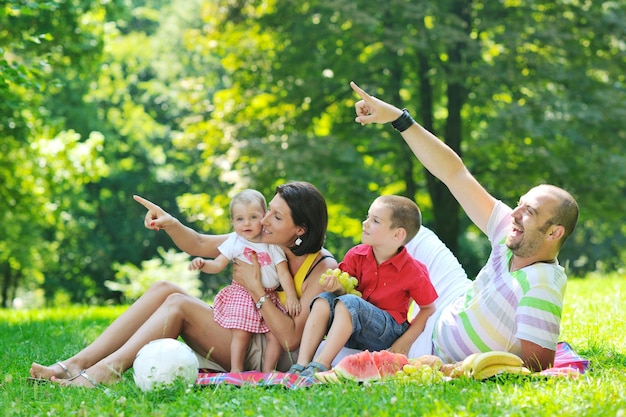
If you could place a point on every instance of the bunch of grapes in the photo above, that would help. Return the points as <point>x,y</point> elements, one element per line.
<point>419,374</point>
<point>347,282</point>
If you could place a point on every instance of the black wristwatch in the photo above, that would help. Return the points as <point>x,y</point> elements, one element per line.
<point>261,301</point>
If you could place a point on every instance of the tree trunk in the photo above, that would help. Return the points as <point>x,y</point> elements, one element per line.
<point>445,206</point>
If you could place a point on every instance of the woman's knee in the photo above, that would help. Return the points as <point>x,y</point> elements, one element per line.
<point>164,289</point>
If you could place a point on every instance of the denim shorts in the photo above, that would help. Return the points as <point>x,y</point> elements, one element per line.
<point>372,328</point>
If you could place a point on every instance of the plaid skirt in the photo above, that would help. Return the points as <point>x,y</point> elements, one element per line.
<point>233,308</point>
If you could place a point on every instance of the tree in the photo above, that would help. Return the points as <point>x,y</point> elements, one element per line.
<point>495,80</point>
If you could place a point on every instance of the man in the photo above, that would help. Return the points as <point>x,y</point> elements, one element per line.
<point>515,302</point>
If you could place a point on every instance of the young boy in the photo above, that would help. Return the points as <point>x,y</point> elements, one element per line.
<point>388,279</point>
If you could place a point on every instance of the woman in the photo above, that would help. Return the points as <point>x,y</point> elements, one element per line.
<point>296,220</point>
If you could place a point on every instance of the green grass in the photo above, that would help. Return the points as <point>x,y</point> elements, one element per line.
<point>594,322</point>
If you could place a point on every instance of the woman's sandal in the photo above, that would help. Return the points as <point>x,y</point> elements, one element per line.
<point>36,380</point>
<point>88,378</point>
<point>67,371</point>
<point>312,368</point>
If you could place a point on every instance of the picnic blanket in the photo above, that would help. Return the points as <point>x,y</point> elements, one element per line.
<point>254,378</point>
<point>566,363</point>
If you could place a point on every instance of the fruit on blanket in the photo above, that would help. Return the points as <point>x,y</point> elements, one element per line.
<point>348,283</point>
<point>358,367</point>
<point>467,365</point>
<point>327,376</point>
<point>452,370</point>
<point>388,363</point>
<point>422,374</point>
<point>432,361</point>
<point>495,358</point>
<point>492,370</point>
<point>370,366</point>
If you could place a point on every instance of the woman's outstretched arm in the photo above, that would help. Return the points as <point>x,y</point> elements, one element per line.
<point>187,239</point>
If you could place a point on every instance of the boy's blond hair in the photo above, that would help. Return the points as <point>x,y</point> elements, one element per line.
<point>404,213</point>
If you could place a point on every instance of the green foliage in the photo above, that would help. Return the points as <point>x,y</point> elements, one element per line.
<point>133,281</point>
<point>187,102</point>
<point>593,322</point>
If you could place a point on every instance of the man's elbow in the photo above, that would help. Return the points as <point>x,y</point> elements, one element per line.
<point>538,362</point>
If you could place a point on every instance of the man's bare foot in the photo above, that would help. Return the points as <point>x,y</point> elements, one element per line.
<point>58,370</point>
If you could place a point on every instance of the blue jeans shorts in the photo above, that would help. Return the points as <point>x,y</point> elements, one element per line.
<point>372,328</point>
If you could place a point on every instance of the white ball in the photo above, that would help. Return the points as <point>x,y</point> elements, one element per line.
<point>163,361</point>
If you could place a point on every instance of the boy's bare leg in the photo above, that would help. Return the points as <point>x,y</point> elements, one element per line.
<point>338,334</point>
<point>314,331</point>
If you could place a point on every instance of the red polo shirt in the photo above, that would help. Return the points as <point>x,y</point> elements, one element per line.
<point>390,285</point>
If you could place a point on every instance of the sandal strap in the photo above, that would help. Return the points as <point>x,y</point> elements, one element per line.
<point>295,369</point>
<point>312,368</point>
<point>67,371</point>
<point>318,367</point>
<point>88,378</point>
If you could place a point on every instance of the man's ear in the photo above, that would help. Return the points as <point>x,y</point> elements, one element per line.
<point>557,232</point>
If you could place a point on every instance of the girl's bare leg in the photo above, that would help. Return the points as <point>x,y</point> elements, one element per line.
<point>238,348</point>
<point>272,353</point>
<point>180,314</point>
<point>118,333</point>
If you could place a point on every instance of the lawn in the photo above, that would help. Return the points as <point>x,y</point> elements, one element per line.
<point>594,322</point>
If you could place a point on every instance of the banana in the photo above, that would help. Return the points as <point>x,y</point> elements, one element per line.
<point>495,358</point>
<point>491,370</point>
<point>467,365</point>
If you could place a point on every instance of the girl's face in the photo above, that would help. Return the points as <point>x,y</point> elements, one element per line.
<point>278,226</point>
<point>246,220</point>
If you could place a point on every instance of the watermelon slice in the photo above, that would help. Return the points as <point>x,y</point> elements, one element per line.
<point>358,367</point>
<point>388,363</point>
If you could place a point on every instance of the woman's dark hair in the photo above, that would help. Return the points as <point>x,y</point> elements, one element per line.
<point>309,211</point>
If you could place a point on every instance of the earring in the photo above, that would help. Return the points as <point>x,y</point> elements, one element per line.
<point>298,241</point>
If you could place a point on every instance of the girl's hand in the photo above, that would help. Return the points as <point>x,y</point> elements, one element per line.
<point>293,307</point>
<point>196,264</point>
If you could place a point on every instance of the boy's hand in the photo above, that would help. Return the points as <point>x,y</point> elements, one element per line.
<point>400,346</point>
<point>330,283</point>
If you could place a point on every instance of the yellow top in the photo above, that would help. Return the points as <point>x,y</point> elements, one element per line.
<point>298,279</point>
